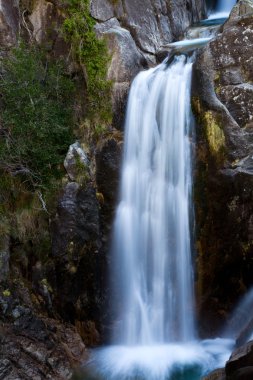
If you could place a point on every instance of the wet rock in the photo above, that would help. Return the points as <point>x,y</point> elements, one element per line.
<point>245,333</point>
<point>218,374</point>
<point>108,163</point>
<point>245,373</point>
<point>240,359</point>
<point>9,23</point>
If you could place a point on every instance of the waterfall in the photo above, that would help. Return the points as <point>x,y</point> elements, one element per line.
<point>152,228</point>
<point>154,334</point>
<point>225,5</point>
<point>154,337</point>
<point>222,9</point>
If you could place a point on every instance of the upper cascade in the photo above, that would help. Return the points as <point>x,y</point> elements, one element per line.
<point>223,8</point>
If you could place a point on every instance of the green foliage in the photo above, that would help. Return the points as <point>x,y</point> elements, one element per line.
<point>36,117</point>
<point>92,54</point>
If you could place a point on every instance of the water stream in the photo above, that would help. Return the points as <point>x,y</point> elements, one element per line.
<point>222,9</point>
<point>154,336</point>
<point>152,226</point>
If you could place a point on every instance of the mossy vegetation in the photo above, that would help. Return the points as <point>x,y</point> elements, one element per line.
<point>92,54</point>
<point>214,133</point>
<point>36,117</point>
<point>36,130</point>
<point>211,130</point>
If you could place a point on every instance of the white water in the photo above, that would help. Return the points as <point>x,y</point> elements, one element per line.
<point>152,232</point>
<point>241,317</point>
<point>222,9</point>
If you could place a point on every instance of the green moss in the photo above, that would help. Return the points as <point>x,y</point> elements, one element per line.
<point>6,293</point>
<point>92,54</point>
<point>214,134</point>
<point>211,130</point>
<point>82,174</point>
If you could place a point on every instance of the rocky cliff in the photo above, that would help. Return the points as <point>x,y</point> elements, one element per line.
<point>222,101</point>
<point>54,246</point>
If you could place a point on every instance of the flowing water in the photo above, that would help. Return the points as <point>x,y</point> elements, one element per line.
<point>222,9</point>
<point>155,337</point>
<point>152,227</point>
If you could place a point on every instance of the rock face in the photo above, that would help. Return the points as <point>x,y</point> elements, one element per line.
<point>35,347</point>
<point>75,251</point>
<point>136,31</point>
<point>222,100</point>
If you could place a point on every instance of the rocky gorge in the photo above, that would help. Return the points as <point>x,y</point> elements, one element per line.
<point>54,291</point>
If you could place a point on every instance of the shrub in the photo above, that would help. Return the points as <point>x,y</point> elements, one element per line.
<point>92,54</point>
<point>36,117</point>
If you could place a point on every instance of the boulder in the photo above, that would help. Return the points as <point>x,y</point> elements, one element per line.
<point>77,163</point>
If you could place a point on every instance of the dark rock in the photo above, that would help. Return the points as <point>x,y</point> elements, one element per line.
<point>242,357</point>
<point>76,244</point>
<point>245,373</point>
<point>108,163</point>
<point>53,356</point>
<point>161,55</point>
<point>218,374</point>
<point>245,334</point>
<point>4,257</point>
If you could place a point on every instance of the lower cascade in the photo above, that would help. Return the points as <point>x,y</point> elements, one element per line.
<point>154,337</point>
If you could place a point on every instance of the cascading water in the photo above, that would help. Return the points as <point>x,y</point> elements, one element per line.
<point>222,9</point>
<point>225,5</point>
<point>155,335</point>
<point>152,232</point>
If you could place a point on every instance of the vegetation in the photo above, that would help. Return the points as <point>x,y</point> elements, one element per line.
<point>93,56</point>
<point>35,132</point>
<point>36,117</point>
